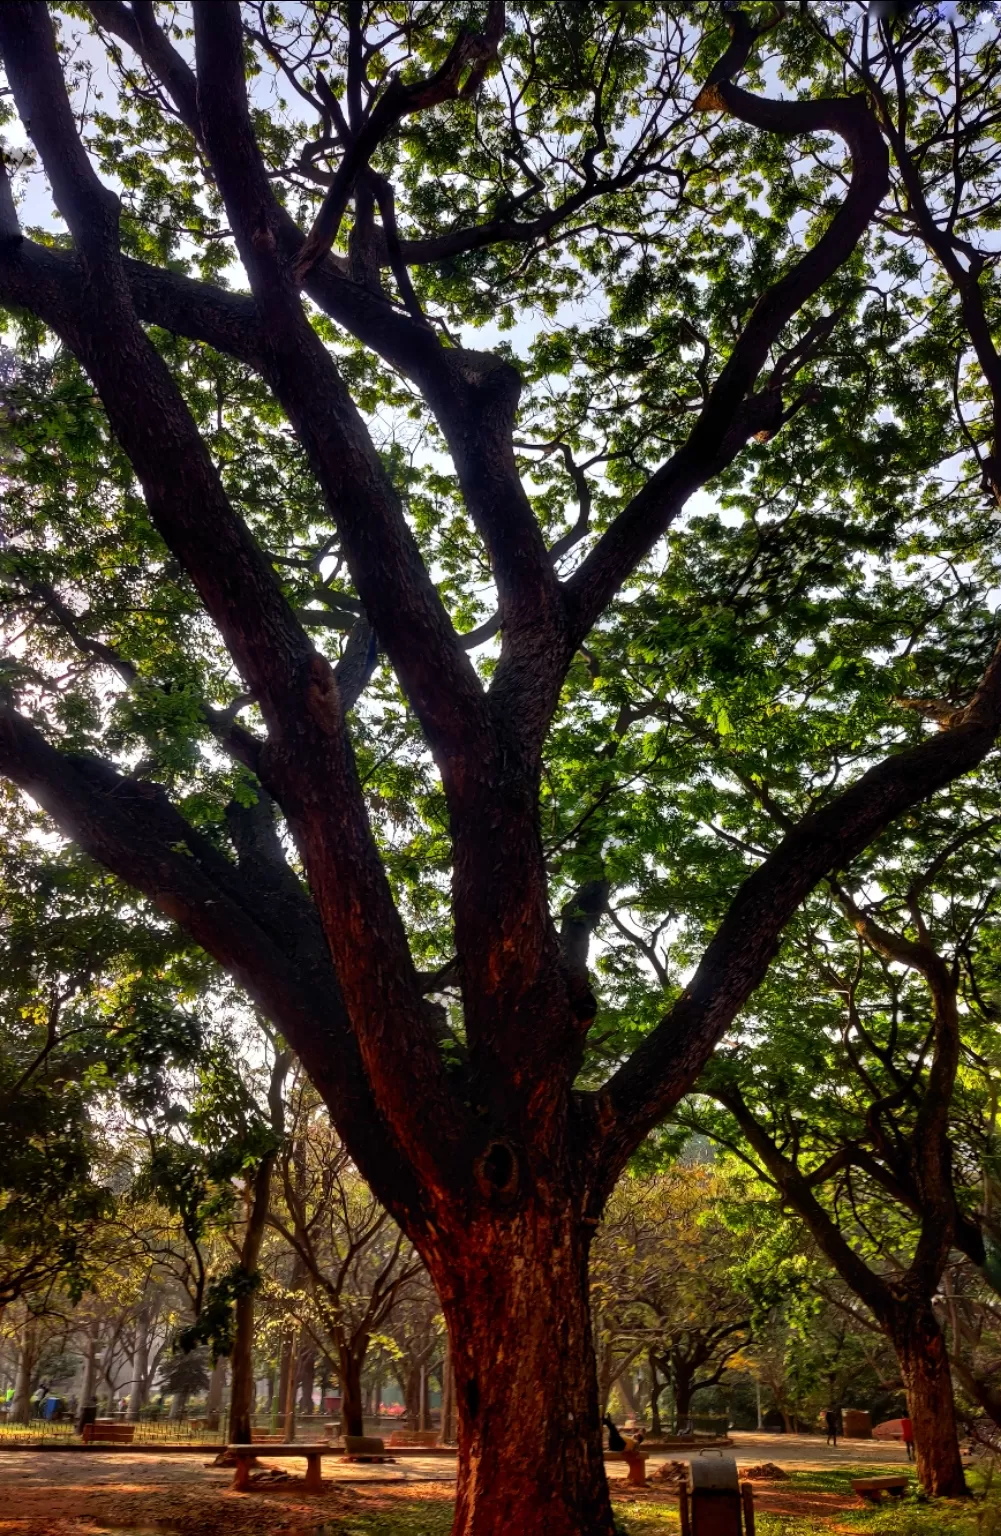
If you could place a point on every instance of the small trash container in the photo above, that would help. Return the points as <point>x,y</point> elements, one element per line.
<point>715,1496</point>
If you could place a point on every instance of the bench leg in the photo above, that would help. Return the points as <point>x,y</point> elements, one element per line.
<point>314,1482</point>
<point>241,1475</point>
<point>637,1470</point>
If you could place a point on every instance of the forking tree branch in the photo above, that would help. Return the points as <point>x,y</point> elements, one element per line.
<point>489,750</point>
<point>308,764</point>
<point>666,1064</point>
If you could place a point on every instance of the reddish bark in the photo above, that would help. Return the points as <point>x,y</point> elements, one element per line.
<point>530,1447</point>
<point>924,1366</point>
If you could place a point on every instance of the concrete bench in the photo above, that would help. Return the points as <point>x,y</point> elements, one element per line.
<point>110,1431</point>
<point>364,1448</point>
<point>636,1462</point>
<point>244,1457</point>
<point>873,1488</point>
<point>412,1437</point>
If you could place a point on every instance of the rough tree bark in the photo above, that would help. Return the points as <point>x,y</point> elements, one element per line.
<point>924,1366</point>
<point>498,1182</point>
<point>517,1313</point>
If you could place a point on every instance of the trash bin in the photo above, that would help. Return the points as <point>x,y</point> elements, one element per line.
<point>714,1496</point>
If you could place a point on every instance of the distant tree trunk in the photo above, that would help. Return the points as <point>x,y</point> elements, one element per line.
<point>139,1389</point>
<point>26,1358</point>
<point>213,1402</point>
<point>284,1369</point>
<point>681,1380</point>
<point>291,1381</point>
<point>924,1366</point>
<point>352,1404</point>
<point>307,1374</point>
<point>447,1434</point>
<point>178,1406</point>
<point>89,1371</point>
<point>655,1391</point>
<point>241,1400</point>
<point>628,1390</point>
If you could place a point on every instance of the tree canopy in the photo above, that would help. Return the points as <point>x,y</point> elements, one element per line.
<point>366,609</point>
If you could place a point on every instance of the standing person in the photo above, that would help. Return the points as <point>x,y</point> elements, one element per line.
<point>907,1429</point>
<point>831,1420</point>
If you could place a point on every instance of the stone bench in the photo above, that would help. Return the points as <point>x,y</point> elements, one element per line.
<point>873,1488</point>
<point>635,1461</point>
<point>244,1456</point>
<point>108,1430</point>
<point>364,1448</point>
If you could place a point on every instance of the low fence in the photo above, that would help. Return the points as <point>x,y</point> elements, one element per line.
<point>156,1428</point>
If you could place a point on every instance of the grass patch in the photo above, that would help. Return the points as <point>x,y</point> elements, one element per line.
<point>913,1515</point>
<point>407,1518</point>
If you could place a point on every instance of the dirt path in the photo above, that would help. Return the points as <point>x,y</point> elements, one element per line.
<point>126,1494</point>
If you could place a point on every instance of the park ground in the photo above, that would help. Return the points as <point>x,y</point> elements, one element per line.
<point>123,1494</point>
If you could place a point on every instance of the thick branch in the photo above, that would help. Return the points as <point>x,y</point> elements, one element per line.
<point>262,930</point>
<point>308,764</point>
<point>712,443</point>
<point>796,1189</point>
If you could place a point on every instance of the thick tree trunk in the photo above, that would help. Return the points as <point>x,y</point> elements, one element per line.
<point>682,1383</point>
<point>352,1402</point>
<point>241,1395</point>
<point>924,1366</point>
<point>27,1355</point>
<point>307,1376</point>
<point>213,1402</point>
<point>140,1367</point>
<point>284,1371</point>
<point>515,1298</point>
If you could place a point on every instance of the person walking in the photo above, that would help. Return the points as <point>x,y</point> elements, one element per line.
<point>831,1421</point>
<point>907,1430</point>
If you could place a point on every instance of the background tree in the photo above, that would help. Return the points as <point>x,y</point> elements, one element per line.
<point>664,1281</point>
<point>354,1260</point>
<point>870,1121</point>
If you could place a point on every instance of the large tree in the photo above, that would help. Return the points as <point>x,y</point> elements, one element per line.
<point>757,263</point>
